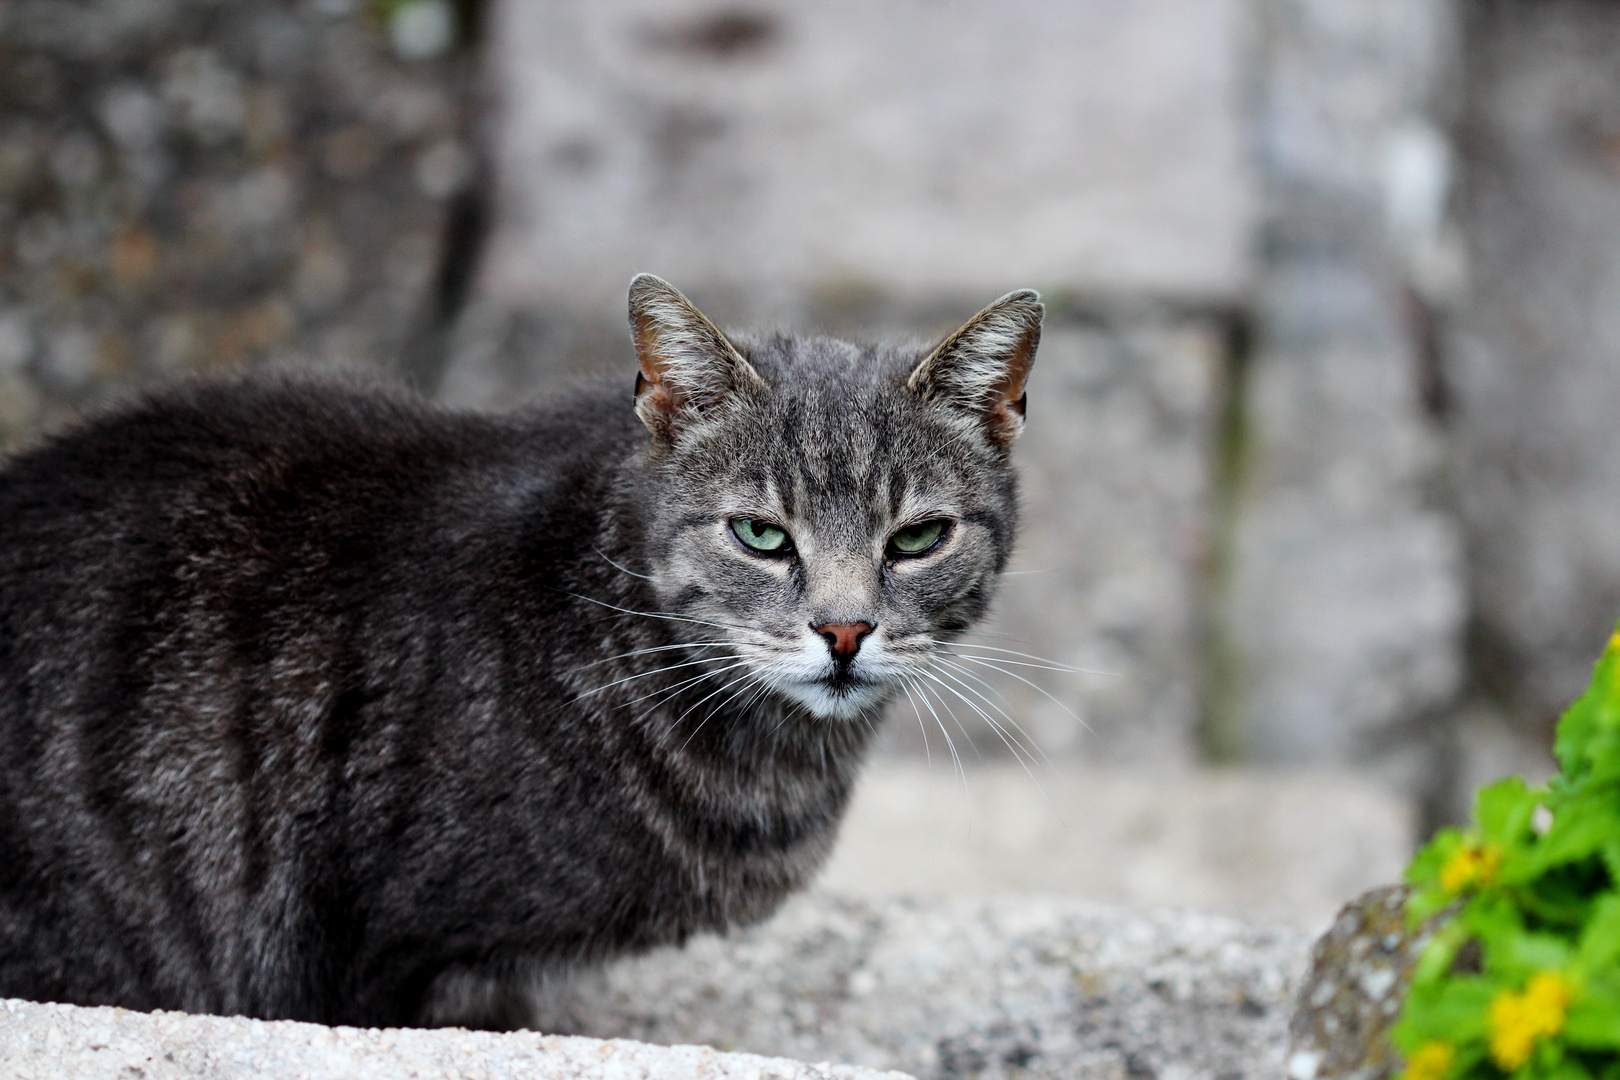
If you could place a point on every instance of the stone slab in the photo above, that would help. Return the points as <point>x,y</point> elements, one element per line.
<point>1534,356</point>
<point>1342,598</point>
<point>928,147</point>
<point>1279,847</point>
<point>65,1042</point>
<point>965,989</point>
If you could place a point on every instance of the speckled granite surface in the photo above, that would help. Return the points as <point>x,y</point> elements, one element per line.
<point>1039,988</point>
<point>46,1042</point>
<point>1352,995</point>
<point>985,988</point>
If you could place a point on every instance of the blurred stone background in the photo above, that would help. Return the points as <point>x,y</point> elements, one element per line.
<point>1321,470</point>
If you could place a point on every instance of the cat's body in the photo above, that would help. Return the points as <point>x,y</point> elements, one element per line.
<point>313,696</point>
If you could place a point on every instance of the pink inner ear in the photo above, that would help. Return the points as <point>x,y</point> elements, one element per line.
<point>1010,392</point>
<point>1006,413</point>
<point>662,398</point>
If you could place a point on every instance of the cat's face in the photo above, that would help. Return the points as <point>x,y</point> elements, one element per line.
<point>826,513</point>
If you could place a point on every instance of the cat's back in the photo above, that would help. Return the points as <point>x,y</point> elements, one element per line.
<point>219,509</point>
<point>274,451</point>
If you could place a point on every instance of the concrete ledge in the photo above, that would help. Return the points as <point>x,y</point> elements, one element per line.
<point>967,988</point>
<point>984,988</point>
<point>47,1042</point>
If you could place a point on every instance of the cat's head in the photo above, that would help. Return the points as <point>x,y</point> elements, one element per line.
<point>828,513</point>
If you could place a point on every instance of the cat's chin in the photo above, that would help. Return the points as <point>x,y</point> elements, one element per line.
<point>841,701</point>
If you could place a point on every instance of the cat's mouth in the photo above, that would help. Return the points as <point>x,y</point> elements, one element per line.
<point>843,680</point>
<point>841,694</point>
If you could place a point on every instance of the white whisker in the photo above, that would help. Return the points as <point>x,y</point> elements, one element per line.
<point>950,744</point>
<point>649,649</point>
<point>994,666</point>
<point>616,566</point>
<point>928,757</point>
<point>1031,656</point>
<point>660,614</point>
<point>1019,750</point>
<point>655,671</point>
<point>677,721</point>
<point>670,691</point>
<point>747,678</point>
<point>1032,748</point>
<point>950,712</point>
<point>1025,663</point>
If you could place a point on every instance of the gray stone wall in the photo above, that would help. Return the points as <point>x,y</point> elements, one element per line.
<point>1533,357</point>
<point>189,186</point>
<point>1342,596</point>
<point>917,149</point>
<point>1319,467</point>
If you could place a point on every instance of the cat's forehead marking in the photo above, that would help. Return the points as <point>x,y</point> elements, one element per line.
<point>836,447</point>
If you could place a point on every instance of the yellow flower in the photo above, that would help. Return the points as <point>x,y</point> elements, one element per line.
<point>1470,866</point>
<point>1431,1061</point>
<point>1519,1019</point>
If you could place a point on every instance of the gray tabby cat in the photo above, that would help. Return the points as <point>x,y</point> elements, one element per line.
<point>316,699</point>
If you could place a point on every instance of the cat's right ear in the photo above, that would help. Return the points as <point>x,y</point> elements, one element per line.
<point>687,365</point>
<point>982,368</point>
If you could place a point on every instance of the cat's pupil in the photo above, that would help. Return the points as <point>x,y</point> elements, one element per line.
<point>760,535</point>
<point>916,539</point>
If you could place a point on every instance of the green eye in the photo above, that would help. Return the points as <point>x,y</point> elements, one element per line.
<point>918,538</point>
<point>761,536</point>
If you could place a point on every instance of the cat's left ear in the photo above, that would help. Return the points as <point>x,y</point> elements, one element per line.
<point>982,368</point>
<point>687,365</point>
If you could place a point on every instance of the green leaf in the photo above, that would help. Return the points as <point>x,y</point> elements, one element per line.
<point>1566,1069</point>
<point>1442,950</point>
<point>1503,809</point>
<point>1521,955</point>
<point>1593,1022</point>
<point>1611,858</point>
<point>1457,1010</point>
<point>1492,916</point>
<point>1600,941</point>
<point>1581,828</point>
<point>1596,709</point>
<point>1603,756</point>
<point>1551,905</point>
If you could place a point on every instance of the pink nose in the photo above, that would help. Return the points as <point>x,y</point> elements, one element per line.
<point>844,640</point>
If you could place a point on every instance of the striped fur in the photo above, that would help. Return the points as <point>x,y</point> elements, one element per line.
<point>321,702</point>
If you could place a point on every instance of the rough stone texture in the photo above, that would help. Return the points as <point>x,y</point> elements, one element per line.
<point>63,1042</point>
<point>918,147</point>
<point>188,185</point>
<point>1345,601</point>
<point>1353,993</point>
<point>957,989</point>
<point>1534,361</point>
<point>1281,848</point>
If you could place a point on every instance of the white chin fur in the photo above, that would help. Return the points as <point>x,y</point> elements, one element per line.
<point>828,705</point>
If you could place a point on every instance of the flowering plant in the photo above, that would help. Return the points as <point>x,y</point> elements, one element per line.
<point>1523,977</point>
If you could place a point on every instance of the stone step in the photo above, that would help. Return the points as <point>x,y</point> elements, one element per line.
<point>1271,845</point>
